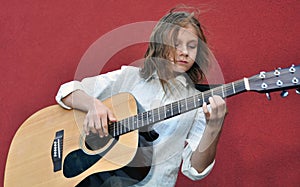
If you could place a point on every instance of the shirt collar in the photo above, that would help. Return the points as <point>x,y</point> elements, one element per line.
<point>180,78</point>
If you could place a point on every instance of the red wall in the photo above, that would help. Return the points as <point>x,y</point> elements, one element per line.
<point>42,42</point>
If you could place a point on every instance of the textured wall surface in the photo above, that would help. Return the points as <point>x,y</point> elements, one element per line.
<point>42,43</point>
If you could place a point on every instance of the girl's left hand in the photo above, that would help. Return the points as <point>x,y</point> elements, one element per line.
<point>216,115</point>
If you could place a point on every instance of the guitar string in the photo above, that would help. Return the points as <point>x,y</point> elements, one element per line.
<point>190,101</point>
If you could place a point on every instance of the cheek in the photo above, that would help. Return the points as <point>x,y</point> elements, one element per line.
<point>193,54</point>
<point>172,55</point>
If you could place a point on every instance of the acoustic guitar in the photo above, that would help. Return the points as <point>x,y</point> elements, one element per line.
<point>50,148</point>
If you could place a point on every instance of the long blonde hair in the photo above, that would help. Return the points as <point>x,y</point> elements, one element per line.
<point>161,45</point>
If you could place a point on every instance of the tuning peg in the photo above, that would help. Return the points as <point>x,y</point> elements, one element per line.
<point>292,69</point>
<point>284,94</point>
<point>298,90</point>
<point>268,96</point>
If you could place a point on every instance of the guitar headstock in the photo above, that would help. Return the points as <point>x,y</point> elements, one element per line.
<point>279,79</point>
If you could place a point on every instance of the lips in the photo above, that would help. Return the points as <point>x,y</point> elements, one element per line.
<point>182,62</point>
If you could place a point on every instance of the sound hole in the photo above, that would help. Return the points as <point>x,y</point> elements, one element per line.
<point>94,142</point>
<point>78,161</point>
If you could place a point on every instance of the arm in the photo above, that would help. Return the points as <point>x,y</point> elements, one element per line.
<point>205,153</point>
<point>83,95</point>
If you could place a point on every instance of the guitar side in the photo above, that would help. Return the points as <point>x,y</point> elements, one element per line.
<point>29,161</point>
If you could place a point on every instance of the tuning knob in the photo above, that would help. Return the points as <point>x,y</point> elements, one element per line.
<point>268,96</point>
<point>284,94</point>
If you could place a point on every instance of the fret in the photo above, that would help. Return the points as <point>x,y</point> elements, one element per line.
<point>207,95</point>
<point>140,120</point>
<point>233,87</point>
<point>198,100</point>
<point>144,118</point>
<point>195,104</point>
<point>175,108</point>
<point>178,106</point>
<point>117,128</point>
<point>229,90</point>
<point>125,125</point>
<point>168,111</point>
<point>118,125</point>
<point>212,92</point>
<point>153,120</point>
<point>114,129</point>
<point>223,94</point>
<point>127,128</point>
<point>122,126</point>
<point>135,122</point>
<point>131,123</point>
<point>218,91</point>
<point>149,117</point>
<point>190,103</point>
<point>128,125</point>
<point>240,86</point>
<point>162,114</point>
<point>182,106</point>
<point>156,114</point>
<point>171,108</point>
<point>203,100</point>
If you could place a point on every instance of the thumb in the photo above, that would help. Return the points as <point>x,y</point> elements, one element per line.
<point>111,116</point>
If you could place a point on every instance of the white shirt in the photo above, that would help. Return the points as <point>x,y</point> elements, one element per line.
<point>178,136</point>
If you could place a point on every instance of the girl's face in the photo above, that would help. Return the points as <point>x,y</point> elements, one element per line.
<point>186,49</point>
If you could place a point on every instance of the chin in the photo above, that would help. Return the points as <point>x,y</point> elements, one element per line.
<point>179,70</point>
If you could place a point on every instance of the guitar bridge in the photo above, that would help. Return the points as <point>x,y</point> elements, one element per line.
<point>57,150</point>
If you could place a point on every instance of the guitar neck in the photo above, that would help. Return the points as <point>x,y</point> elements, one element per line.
<point>176,108</point>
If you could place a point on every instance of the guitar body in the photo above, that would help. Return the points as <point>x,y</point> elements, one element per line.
<point>33,156</point>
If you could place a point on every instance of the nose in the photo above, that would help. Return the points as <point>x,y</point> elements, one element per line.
<point>183,51</point>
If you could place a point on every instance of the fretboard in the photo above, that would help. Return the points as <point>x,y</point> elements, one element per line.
<point>174,109</point>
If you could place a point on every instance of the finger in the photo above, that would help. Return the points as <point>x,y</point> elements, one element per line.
<point>111,116</point>
<point>100,130</point>
<point>104,126</point>
<point>221,107</point>
<point>205,110</point>
<point>98,126</point>
<point>85,126</point>
<point>212,104</point>
<point>220,103</point>
<point>91,126</point>
<point>214,109</point>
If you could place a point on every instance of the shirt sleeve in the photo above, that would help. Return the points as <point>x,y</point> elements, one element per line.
<point>193,140</point>
<point>93,86</point>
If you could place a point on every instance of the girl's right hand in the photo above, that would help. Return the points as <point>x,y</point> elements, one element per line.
<point>97,119</point>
